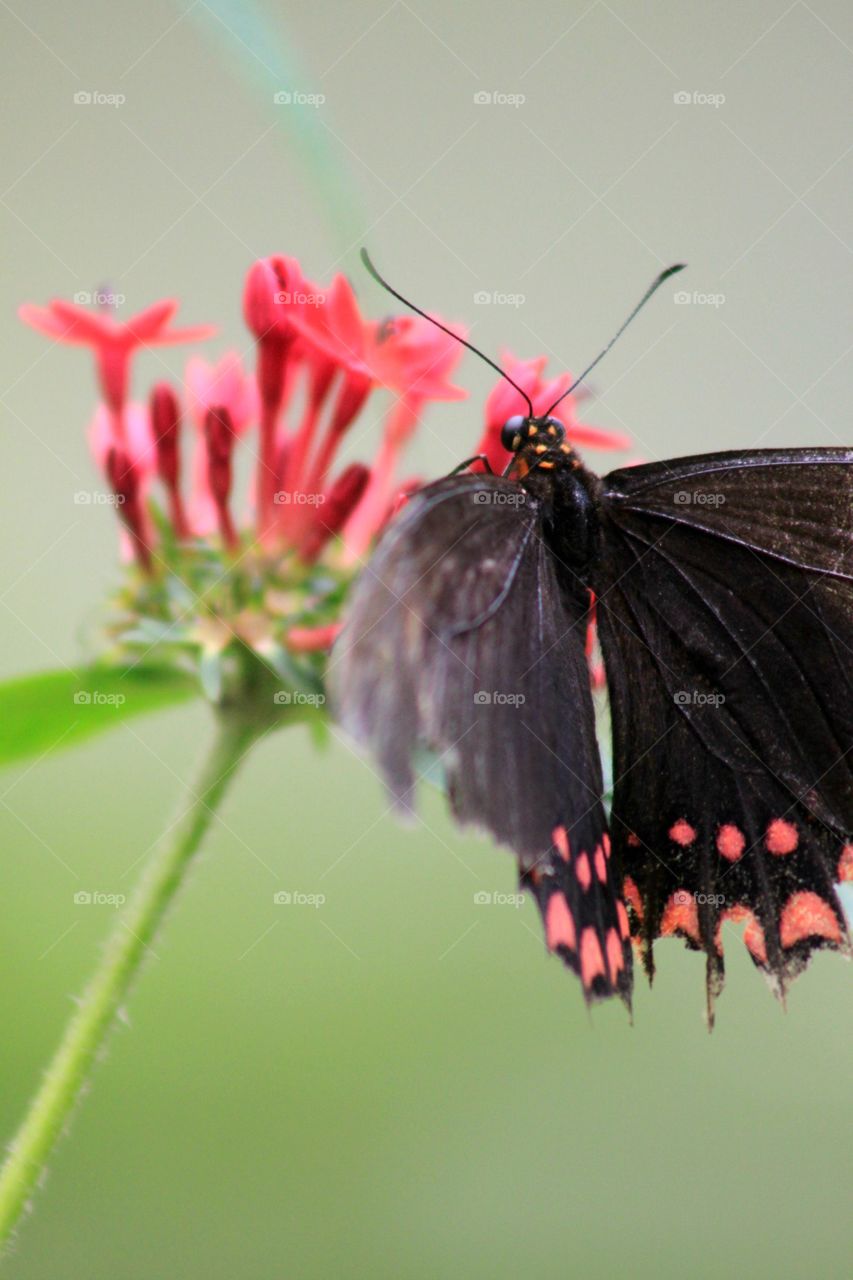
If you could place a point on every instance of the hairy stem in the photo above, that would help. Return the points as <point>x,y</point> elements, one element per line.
<point>135,930</point>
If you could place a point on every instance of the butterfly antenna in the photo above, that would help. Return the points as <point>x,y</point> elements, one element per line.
<point>653,288</point>
<point>365,257</point>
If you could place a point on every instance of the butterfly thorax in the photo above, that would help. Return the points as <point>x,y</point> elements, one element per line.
<point>550,470</point>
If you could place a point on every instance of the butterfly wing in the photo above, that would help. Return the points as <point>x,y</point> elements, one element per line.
<point>725,608</point>
<point>458,642</point>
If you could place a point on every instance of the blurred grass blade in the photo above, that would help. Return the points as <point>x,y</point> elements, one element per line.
<point>269,64</point>
<point>57,709</point>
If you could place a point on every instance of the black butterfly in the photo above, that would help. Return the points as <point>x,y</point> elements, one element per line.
<point>723,590</point>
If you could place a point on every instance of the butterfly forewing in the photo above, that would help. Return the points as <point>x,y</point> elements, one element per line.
<point>460,642</point>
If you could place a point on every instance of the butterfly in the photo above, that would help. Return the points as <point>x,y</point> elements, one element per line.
<point>722,587</point>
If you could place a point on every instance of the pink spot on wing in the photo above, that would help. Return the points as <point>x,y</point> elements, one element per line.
<point>633,840</point>
<point>583,872</point>
<point>592,960</point>
<point>559,925</point>
<point>605,843</point>
<point>622,916</point>
<point>805,915</point>
<point>680,916</point>
<point>731,841</point>
<point>682,833</point>
<point>753,934</point>
<point>600,864</point>
<point>615,958</point>
<point>560,838</point>
<point>781,836</point>
<point>845,864</point>
<point>632,897</point>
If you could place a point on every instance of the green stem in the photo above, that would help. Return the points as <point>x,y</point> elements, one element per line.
<point>135,930</point>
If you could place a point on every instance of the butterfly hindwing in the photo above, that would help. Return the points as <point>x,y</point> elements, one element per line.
<point>459,642</point>
<point>725,623</point>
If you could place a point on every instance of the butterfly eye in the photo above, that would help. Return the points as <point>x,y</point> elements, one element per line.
<point>512,428</point>
<point>555,428</point>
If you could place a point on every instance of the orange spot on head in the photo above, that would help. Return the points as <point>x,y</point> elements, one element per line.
<point>753,934</point>
<point>781,836</point>
<point>605,844</point>
<point>682,833</point>
<point>560,838</point>
<point>845,864</point>
<point>632,897</point>
<point>600,864</point>
<point>806,915</point>
<point>592,960</point>
<point>559,925</point>
<point>622,916</point>
<point>731,841</point>
<point>680,916</point>
<point>615,958</point>
<point>583,872</point>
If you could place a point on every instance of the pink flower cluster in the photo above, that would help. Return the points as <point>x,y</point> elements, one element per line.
<point>317,361</point>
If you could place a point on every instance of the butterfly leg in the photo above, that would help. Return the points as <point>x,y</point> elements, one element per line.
<point>478,457</point>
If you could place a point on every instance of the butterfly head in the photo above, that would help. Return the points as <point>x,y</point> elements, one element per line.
<point>536,443</point>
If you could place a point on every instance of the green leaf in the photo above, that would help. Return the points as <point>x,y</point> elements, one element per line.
<point>57,709</point>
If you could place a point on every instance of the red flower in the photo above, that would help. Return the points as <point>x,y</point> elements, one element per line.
<point>113,341</point>
<point>220,385</point>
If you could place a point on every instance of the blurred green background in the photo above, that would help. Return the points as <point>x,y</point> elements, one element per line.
<point>399,1082</point>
